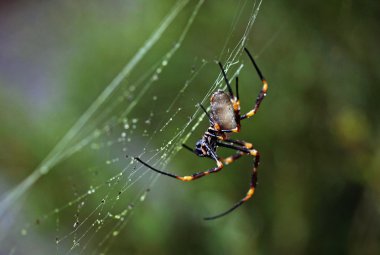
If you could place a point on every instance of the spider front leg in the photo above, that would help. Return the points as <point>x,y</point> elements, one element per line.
<point>253,182</point>
<point>262,93</point>
<point>194,176</point>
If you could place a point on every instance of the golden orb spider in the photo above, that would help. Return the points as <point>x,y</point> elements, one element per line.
<point>224,119</point>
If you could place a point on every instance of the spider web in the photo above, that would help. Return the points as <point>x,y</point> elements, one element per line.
<point>98,201</point>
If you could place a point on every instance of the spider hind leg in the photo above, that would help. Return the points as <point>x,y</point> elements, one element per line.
<point>246,149</point>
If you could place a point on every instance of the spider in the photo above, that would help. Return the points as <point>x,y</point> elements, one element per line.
<point>224,119</point>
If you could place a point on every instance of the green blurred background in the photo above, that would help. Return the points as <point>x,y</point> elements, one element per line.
<point>317,131</point>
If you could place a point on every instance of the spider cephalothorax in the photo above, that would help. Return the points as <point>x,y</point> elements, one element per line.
<point>225,119</point>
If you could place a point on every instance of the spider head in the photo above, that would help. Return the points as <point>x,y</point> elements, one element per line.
<point>198,149</point>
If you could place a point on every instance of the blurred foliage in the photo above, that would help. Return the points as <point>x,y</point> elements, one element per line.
<point>318,129</point>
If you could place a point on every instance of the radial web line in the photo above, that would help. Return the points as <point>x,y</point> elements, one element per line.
<point>51,158</point>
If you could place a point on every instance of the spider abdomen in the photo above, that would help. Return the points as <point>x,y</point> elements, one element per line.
<point>222,110</point>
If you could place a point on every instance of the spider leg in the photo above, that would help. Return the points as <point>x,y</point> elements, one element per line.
<point>226,80</point>
<point>194,176</point>
<point>231,159</point>
<point>263,90</point>
<point>207,114</point>
<point>237,88</point>
<point>239,142</point>
<point>253,181</point>
<point>224,140</point>
<point>244,150</point>
<point>188,148</point>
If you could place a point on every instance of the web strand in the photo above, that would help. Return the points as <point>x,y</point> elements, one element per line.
<point>110,186</point>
